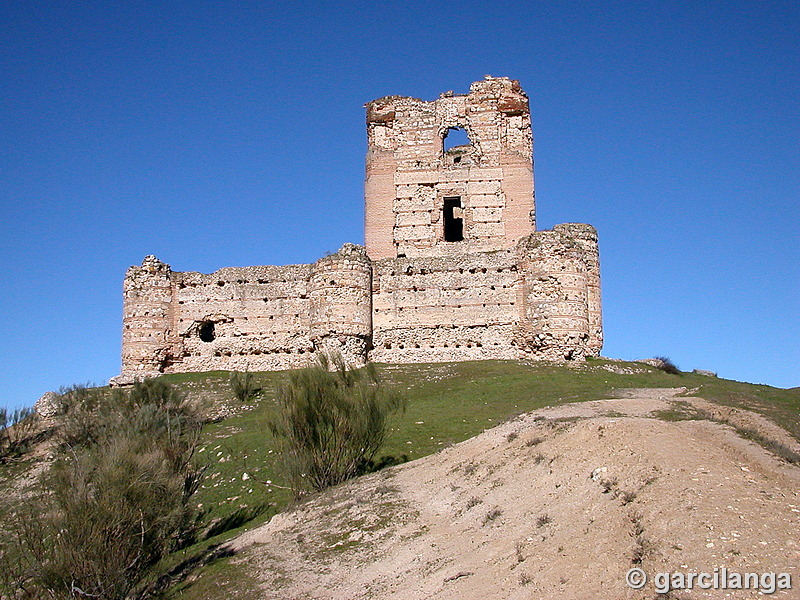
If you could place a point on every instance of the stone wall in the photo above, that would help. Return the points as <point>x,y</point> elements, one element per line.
<point>461,307</point>
<point>259,318</point>
<point>410,175</point>
<point>538,300</point>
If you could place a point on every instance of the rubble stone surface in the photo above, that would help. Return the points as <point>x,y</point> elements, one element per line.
<point>48,405</point>
<point>704,372</point>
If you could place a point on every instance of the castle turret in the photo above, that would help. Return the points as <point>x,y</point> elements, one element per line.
<point>147,319</point>
<point>585,236</point>
<point>558,269</point>
<point>340,292</point>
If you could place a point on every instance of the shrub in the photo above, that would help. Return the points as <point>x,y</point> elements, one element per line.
<point>151,411</point>
<point>78,409</point>
<point>666,365</point>
<point>114,504</point>
<point>474,501</point>
<point>243,386</point>
<point>492,515</point>
<point>16,429</point>
<point>331,422</point>
<point>543,520</point>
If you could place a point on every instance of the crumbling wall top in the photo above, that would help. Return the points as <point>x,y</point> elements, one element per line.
<point>150,265</point>
<point>506,93</point>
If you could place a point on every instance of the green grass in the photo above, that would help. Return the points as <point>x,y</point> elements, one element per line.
<point>220,579</point>
<point>680,411</point>
<point>447,403</point>
<point>778,405</point>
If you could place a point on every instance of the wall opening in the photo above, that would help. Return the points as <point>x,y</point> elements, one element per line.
<point>453,221</point>
<point>455,136</point>
<point>206,331</point>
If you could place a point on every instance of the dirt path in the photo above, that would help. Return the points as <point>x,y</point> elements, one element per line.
<point>559,503</point>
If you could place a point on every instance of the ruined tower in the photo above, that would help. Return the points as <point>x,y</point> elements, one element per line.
<point>459,272</point>
<point>453,267</point>
<point>423,198</point>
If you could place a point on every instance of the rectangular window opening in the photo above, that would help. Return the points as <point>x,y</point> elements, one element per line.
<point>453,220</point>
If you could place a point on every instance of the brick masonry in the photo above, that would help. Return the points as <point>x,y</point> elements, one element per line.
<point>471,281</point>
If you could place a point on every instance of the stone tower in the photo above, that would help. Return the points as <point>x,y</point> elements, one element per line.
<point>424,199</point>
<point>341,303</point>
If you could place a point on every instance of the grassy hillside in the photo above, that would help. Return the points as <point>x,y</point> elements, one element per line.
<point>448,403</point>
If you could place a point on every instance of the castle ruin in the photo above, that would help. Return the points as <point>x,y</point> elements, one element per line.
<point>453,268</point>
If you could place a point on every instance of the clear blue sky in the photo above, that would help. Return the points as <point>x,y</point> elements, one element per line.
<point>217,134</point>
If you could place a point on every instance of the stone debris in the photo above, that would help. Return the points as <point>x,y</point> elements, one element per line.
<point>49,405</point>
<point>704,372</point>
<point>653,362</point>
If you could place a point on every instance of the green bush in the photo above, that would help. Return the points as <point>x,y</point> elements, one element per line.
<point>150,410</point>
<point>78,410</point>
<point>244,386</point>
<point>666,365</point>
<point>16,429</point>
<point>115,502</point>
<point>331,422</point>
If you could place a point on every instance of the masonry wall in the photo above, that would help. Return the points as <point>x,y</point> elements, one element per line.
<point>259,318</point>
<point>409,174</point>
<point>538,300</point>
<point>432,309</point>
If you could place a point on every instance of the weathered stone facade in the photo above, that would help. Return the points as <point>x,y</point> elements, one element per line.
<point>489,181</point>
<point>453,268</point>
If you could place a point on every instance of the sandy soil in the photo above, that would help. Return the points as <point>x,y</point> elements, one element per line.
<point>559,503</point>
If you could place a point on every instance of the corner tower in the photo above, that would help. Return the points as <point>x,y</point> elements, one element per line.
<point>425,197</point>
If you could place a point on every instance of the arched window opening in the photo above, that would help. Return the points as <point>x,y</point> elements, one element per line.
<point>453,137</point>
<point>457,150</point>
<point>206,331</point>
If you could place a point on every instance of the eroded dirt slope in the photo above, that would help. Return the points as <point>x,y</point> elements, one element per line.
<point>559,503</point>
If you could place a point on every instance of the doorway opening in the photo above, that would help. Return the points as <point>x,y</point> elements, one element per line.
<point>453,220</point>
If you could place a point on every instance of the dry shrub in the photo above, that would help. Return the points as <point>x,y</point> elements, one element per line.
<point>243,386</point>
<point>331,422</point>
<point>16,428</point>
<point>666,365</point>
<point>115,502</point>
